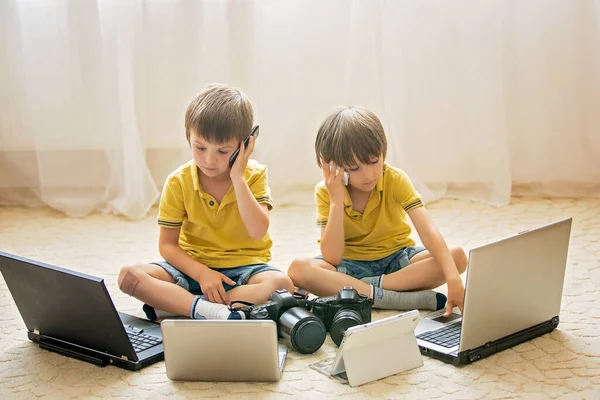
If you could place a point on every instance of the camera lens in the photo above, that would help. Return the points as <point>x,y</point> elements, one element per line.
<point>342,320</point>
<point>304,332</point>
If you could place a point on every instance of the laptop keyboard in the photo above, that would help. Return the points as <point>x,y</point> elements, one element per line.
<point>447,336</point>
<point>142,341</point>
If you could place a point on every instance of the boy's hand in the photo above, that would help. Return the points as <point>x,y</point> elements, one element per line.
<point>239,166</point>
<point>333,181</point>
<point>456,296</point>
<point>211,283</point>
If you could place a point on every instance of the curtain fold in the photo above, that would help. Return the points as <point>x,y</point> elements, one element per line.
<point>480,100</point>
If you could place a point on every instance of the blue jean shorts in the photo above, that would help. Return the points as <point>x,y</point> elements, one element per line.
<point>240,275</point>
<point>387,265</point>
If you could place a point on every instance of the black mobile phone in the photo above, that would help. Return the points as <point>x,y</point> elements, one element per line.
<point>253,132</point>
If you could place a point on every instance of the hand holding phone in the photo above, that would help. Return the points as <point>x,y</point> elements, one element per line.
<point>253,132</point>
<point>334,181</point>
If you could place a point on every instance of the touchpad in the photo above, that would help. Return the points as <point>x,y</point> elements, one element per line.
<point>445,320</point>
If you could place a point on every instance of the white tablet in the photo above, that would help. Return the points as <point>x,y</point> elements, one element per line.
<point>379,349</point>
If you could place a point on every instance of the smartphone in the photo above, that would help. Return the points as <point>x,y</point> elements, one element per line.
<point>253,132</point>
<point>345,177</point>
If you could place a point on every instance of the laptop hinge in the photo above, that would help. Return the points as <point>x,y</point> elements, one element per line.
<point>72,350</point>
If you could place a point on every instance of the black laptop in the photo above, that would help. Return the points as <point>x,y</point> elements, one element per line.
<point>71,313</point>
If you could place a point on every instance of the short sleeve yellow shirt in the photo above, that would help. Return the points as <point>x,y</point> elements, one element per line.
<point>383,228</point>
<point>212,233</point>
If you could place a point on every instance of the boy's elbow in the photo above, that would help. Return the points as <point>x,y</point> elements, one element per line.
<point>258,234</point>
<point>165,249</point>
<point>163,253</point>
<point>259,230</point>
<point>334,260</point>
<point>161,250</point>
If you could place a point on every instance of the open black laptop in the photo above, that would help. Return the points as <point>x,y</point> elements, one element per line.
<point>72,314</point>
<point>513,294</point>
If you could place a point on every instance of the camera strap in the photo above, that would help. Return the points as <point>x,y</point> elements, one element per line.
<point>247,306</point>
<point>245,303</point>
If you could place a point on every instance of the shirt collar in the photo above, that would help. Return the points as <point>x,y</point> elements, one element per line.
<point>227,198</point>
<point>196,179</point>
<point>379,185</point>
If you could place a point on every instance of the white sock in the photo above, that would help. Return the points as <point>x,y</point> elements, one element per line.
<point>204,309</point>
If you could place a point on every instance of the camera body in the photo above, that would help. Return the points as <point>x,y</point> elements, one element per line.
<point>347,308</point>
<point>278,303</point>
<point>302,330</point>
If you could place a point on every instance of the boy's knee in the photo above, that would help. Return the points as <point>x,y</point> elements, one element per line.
<point>460,259</point>
<point>129,278</point>
<point>282,281</point>
<point>276,281</point>
<point>297,269</point>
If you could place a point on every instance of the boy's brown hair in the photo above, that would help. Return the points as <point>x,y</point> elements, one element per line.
<point>348,135</point>
<point>219,113</point>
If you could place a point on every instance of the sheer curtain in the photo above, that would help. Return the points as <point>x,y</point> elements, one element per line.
<point>479,99</point>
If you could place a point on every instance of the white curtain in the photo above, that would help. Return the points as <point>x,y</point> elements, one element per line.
<point>481,100</point>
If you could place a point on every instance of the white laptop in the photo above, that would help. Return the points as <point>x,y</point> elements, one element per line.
<point>379,349</point>
<point>512,294</point>
<point>229,351</point>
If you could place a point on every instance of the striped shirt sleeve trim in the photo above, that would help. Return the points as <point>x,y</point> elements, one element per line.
<point>264,200</point>
<point>412,205</point>
<point>168,223</point>
<point>321,223</point>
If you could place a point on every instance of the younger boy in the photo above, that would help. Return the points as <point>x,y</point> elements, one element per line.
<point>213,220</point>
<point>365,236</point>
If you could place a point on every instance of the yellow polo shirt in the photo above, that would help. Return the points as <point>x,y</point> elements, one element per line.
<point>211,233</point>
<point>382,229</point>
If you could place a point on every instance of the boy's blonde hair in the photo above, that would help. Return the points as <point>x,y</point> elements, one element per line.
<point>348,135</point>
<point>219,113</point>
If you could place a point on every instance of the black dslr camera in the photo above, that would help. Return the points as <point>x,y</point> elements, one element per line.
<point>295,323</point>
<point>347,308</point>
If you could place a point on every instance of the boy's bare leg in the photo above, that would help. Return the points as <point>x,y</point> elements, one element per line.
<point>261,286</point>
<point>423,272</point>
<point>154,286</point>
<point>322,279</point>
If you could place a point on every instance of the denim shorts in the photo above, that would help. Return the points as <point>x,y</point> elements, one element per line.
<point>240,275</point>
<point>392,263</point>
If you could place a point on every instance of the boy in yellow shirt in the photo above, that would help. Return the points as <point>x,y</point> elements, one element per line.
<point>213,220</point>
<point>365,236</point>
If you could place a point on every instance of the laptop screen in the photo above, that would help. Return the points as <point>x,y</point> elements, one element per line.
<point>65,305</point>
<point>514,283</point>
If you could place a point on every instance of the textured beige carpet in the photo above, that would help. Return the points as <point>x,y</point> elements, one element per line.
<point>564,364</point>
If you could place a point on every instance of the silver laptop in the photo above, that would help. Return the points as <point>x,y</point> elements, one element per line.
<point>228,351</point>
<point>378,349</point>
<point>513,294</point>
